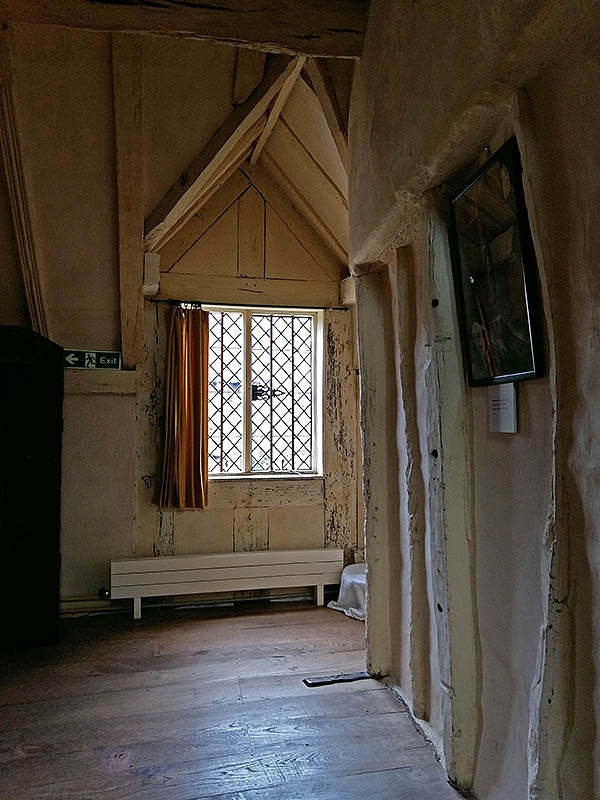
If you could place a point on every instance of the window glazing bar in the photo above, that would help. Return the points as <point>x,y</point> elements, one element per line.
<point>247,392</point>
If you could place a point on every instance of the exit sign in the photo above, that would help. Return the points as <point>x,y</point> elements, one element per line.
<point>92,359</point>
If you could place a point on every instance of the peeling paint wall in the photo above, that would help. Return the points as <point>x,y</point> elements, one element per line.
<point>339,434</point>
<point>259,514</point>
<point>510,521</point>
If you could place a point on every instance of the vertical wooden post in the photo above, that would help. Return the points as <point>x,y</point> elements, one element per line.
<point>450,512</point>
<point>414,537</point>
<point>339,453</point>
<point>380,462</point>
<point>127,87</point>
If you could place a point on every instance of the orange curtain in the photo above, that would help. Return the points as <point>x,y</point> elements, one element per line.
<point>185,459</point>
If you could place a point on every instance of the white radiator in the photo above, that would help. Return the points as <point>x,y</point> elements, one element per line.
<point>223,572</point>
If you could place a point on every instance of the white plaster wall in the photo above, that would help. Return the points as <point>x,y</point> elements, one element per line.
<point>98,481</point>
<point>429,91</point>
<point>437,83</point>
<point>512,486</point>
<point>64,98</point>
<point>560,129</point>
<point>63,94</point>
<point>187,90</point>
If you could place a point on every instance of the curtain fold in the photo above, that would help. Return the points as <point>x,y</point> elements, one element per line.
<point>185,454</point>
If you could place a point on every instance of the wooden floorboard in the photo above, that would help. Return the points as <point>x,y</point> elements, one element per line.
<point>206,703</point>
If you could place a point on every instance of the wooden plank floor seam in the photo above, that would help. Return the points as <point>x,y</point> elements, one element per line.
<point>207,704</point>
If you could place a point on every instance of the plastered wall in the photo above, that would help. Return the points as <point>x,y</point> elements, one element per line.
<point>178,109</point>
<point>98,492</point>
<point>63,93</point>
<point>509,691</point>
<point>62,85</point>
<point>563,179</point>
<point>63,90</point>
<point>511,508</point>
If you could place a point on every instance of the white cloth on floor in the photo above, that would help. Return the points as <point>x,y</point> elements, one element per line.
<point>353,590</point>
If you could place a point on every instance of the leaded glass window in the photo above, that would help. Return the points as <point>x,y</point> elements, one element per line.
<point>225,400</point>
<point>261,392</point>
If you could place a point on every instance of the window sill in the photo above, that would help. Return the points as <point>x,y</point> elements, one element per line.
<point>282,476</point>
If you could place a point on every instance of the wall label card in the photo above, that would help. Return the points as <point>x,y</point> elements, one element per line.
<point>502,408</point>
<point>92,359</point>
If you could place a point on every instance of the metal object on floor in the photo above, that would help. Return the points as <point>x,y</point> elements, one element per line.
<point>342,677</point>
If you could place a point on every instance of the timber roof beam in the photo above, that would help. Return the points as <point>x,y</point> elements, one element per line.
<point>228,146</point>
<point>320,79</point>
<point>310,27</point>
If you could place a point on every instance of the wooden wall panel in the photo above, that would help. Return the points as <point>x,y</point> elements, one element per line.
<point>309,179</point>
<point>82,381</point>
<point>250,529</point>
<point>210,531</point>
<point>262,493</point>
<point>296,527</point>
<point>250,532</point>
<point>286,256</point>
<point>98,497</point>
<point>303,114</point>
<point>251,232</point>
<point>216,251</point>
<point>200,222</point>
<point>336,266</point>
<point>251,235</point>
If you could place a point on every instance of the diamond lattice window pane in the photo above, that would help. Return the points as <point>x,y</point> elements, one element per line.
<point>225,398</point>
<point>281,413</point>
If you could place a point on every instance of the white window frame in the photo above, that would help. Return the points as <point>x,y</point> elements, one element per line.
<point>318,377</point>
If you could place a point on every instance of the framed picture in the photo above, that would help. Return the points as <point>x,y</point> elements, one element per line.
<point>495,273</point>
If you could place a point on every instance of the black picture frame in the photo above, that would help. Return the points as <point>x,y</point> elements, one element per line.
<point>495,273</point>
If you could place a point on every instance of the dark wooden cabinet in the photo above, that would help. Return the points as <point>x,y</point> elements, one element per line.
<point>31,401</point>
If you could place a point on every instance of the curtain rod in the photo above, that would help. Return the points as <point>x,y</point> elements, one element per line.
<point>200,303</point>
